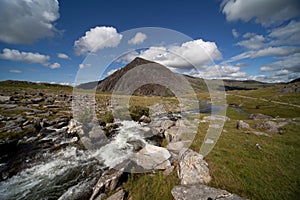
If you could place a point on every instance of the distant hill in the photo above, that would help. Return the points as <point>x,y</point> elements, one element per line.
<point>198,84</point>
<point>16,83</point>
<point>295,80</point>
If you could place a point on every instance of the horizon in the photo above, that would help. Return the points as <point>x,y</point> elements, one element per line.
<point>52,42</point>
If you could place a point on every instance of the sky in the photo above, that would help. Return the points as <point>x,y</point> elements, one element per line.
<point>68,42</point>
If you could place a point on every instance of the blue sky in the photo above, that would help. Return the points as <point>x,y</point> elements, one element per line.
<point>51,41</point>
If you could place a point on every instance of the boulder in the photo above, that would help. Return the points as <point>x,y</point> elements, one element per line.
<point>117,196</point>
<point>258,116</point>
<point>182,133</point>
<point>242,125</point>
<point>152,158</point>
<point>167,124</point>
<point>270,126</point>
<point>176,147</point>
<point>192,168</point>
<point>216,117</point>
<point>145,119</point>
<point>201,192</point>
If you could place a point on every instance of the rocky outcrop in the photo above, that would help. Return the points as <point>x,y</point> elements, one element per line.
<point>152,158</point>
<point>201,192</point>
<point>192,169</point>
<point>241,125</point>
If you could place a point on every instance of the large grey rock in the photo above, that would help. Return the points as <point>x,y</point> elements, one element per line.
<point>270,126</point>
<point>182,133</point>
<point>202,192</point>
<point>176,147</point>
<point>107,183</point>
<point>192,168</point>
<point>258,116</point>
<point>152,158</point>
<point>216,117</point>
<point>242,125</point>
<point>167,124</point>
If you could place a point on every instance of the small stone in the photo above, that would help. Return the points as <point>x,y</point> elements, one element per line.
<point>145,119</point>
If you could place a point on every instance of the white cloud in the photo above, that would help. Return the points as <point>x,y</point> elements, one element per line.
<point>25,21</point>
<point>15,71</point>
<point>28,57</point>
<point>219,71</point>
<point>235,33</point>
<point>54,66</point>
<point>81,66</point>
<point>193,53</point>
<point>275,51</point>
<point>290,62</point>
<point>112,71</point>
<point>138,38</point>
<point>63,56</point>
<point>288,34</point>
<point>254,41</point>
<point>265,12</point>
<point>97,38</point>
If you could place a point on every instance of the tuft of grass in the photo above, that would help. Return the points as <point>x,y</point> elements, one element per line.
<point>151,186</point>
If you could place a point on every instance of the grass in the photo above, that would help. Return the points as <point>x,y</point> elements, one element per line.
<point>151,186</point>
<point>235,163</point>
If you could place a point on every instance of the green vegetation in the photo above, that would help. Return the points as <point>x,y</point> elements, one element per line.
<point>151,186</point>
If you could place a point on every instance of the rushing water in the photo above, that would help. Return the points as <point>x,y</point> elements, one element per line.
<point>70,168</point>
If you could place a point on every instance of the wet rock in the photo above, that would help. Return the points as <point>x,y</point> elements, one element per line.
<point>117,196</point>
<point>201,192</point>
<point>192,168</point>
<point>80,191</point>
<point>152,158</point>
<point>258,116</point>
<point>137,144</point>
<point>167,124</point>
<point>145,119</point>
<point>242,125</point>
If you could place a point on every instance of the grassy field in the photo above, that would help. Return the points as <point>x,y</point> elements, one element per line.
<point>235,163</point>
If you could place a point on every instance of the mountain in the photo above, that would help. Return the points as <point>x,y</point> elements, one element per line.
<point>198,84</point>
<point>108,84</point>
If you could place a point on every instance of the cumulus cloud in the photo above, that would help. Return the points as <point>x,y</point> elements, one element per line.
<point>81,66</point>
<point>63,56</point>
<point>54,66</point>
<point>219,71</point>
<point>25,21</point>
<point>184,56</point>
<point>138,38</point>
<point>265,12</point>
<point>97,38</point>
<point>28,57</point>
<point>235,33</point>
<point>15,71</point>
